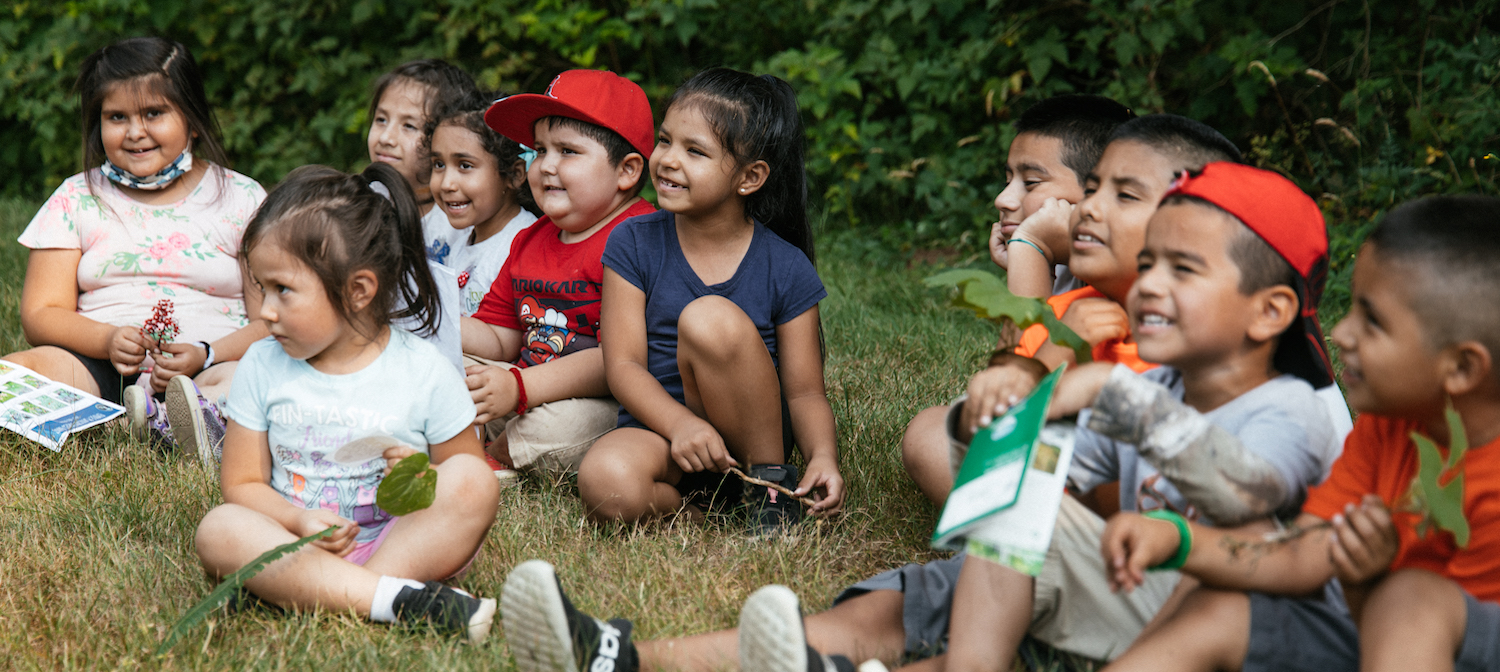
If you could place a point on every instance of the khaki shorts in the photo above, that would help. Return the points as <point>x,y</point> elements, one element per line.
<point>553,437</point>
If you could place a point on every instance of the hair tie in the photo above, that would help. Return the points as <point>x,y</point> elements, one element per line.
<point>379,187</point>
<point>528,155</point>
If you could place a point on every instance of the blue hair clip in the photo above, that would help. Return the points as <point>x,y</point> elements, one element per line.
<point>528,155</point>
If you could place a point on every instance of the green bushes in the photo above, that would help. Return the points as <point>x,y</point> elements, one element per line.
<point>907,102</point>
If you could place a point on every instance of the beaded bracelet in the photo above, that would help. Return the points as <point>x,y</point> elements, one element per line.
<point>1184,535</point>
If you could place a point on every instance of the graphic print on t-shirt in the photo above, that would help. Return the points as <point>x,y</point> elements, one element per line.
<point>549,334</point>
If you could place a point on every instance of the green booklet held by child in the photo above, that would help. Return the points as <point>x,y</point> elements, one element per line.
<point>1007,492</point>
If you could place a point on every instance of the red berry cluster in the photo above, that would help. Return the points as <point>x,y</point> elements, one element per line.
<point>162,327</point>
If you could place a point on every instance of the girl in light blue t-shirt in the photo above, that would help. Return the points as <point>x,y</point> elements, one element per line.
<point>319,415</point>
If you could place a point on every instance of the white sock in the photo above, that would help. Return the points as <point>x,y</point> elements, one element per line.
<point>382,608</point>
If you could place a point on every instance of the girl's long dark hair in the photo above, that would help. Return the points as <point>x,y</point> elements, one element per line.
<point>158,66</point>
<point>756,119</point>
<point>337,224</point>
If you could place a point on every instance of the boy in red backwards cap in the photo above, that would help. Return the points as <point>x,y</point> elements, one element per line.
<point>537,376</point>
<point>1423,332</point>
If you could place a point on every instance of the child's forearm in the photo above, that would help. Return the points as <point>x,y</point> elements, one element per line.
<point>232,347</point>
<point>1245,559</point>
<point>580,374</point>
<point>814,428</point>
<point>1029,273</point>
<point>262,498</point>
<point>643,396</point>
<point>482,339</point>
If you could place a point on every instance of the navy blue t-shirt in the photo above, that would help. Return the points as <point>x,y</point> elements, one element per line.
<point>773,285</point>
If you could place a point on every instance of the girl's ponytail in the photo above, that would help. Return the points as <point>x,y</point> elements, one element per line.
<point>756,119</point>
<point>416,291</point>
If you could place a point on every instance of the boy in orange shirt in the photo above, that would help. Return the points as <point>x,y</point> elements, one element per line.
<point>1423,332</point>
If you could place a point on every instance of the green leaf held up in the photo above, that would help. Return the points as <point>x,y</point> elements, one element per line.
<point>989,298</point>
<point>410,487</point>
<point>1441,505</point>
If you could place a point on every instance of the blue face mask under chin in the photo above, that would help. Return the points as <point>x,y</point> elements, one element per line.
<point>160,180</point>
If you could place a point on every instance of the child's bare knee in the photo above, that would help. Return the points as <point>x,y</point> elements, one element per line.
<point>713,323</point>
<point>1418,596</point>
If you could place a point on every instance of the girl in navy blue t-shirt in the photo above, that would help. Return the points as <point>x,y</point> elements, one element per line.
<point>709,323</point>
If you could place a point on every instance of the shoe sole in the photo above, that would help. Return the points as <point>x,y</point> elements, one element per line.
<point>482,620</point>
<point>536,627</point>
<point>135,412</point>
<point>508,477</point>
<point>772,638</point>
<point>184,412</point>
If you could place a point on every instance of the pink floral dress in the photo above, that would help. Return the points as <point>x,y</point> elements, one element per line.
<point>136,254</point>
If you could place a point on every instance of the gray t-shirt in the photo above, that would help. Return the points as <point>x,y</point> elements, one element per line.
<point>1282,421</point>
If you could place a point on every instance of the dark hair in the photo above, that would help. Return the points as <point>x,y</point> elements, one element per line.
<point>448,82</point>
<point>1453,245</point>
<point>468,114</point>
<point>756,119</point>
<point>158,66</point>
<point>1192,143</point>
<point>1082,122</point>
<point>1260,265</point>
<point>616,147</point>
<point>337,224</point>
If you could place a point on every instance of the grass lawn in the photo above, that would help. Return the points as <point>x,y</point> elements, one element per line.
<point>97,558</point>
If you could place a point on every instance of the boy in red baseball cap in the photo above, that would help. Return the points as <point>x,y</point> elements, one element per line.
<point>536,373</point>
<point>1422,586</point>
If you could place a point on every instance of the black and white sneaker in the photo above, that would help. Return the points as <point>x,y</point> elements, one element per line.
<point>772,638</point>
<point>546,634</point>
<point>446,609</point>
<point>770,512</point>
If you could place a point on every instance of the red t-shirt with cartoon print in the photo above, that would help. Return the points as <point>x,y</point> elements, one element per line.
<point>550,290</point>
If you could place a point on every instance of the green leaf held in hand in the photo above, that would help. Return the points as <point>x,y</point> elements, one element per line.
<point>232,584</point>
<point>1442,505</point>
<point>410,487</point>
<point>989,298</point>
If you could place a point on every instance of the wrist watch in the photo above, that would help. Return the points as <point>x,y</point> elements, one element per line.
<point>208,356</point>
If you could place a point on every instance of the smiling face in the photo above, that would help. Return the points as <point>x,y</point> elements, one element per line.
<point>1034,172</point>
<point>694,175</point>
<point>1389,366</point>
<point>295,307</point>
<point>467,184</point>
<point>142,131</point>
<point>1110,228</point>
<point>396,130</point>
<point>1186,308</point>
<point>572,179</point>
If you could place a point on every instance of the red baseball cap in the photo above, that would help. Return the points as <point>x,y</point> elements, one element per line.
<point>598,97</point>
<point>1291,223</point>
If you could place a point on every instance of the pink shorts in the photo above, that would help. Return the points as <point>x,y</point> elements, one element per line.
<point>364,551</point>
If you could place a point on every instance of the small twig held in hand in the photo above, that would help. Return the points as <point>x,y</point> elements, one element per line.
<point>774,486</point>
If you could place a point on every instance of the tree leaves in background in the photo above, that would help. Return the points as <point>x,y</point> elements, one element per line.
<point>231,585</point>
<point>990,299</point>
<point>1437,493</point>
<point>410,487</point>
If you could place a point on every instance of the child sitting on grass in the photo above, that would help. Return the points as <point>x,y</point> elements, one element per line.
<point>711,309</point>
<point>536,374</point>
<point>1057,143</point>
<point>1423,333</point>
<point>318,415</point>
<point>479,182</point>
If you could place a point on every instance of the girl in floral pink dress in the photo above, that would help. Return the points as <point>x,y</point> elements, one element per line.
<point>155,216</point>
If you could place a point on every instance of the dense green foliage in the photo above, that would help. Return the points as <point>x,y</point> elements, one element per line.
<point>907,101</point>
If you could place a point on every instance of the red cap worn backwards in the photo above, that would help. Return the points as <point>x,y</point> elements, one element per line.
<point>598,97</point>
<point>1291,223</point>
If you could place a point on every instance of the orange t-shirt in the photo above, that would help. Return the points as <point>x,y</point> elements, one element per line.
<point>1116,351</point>
<point>1380,458</point>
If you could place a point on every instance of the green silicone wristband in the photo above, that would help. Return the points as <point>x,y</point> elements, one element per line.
<point>1034,246</point>
<point>1184,535</point>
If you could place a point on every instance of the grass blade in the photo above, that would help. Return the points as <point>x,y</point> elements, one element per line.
<point>232,583</point>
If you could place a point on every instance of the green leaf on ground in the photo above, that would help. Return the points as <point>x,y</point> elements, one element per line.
<point>410,487</point>
<point>230,585</point>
